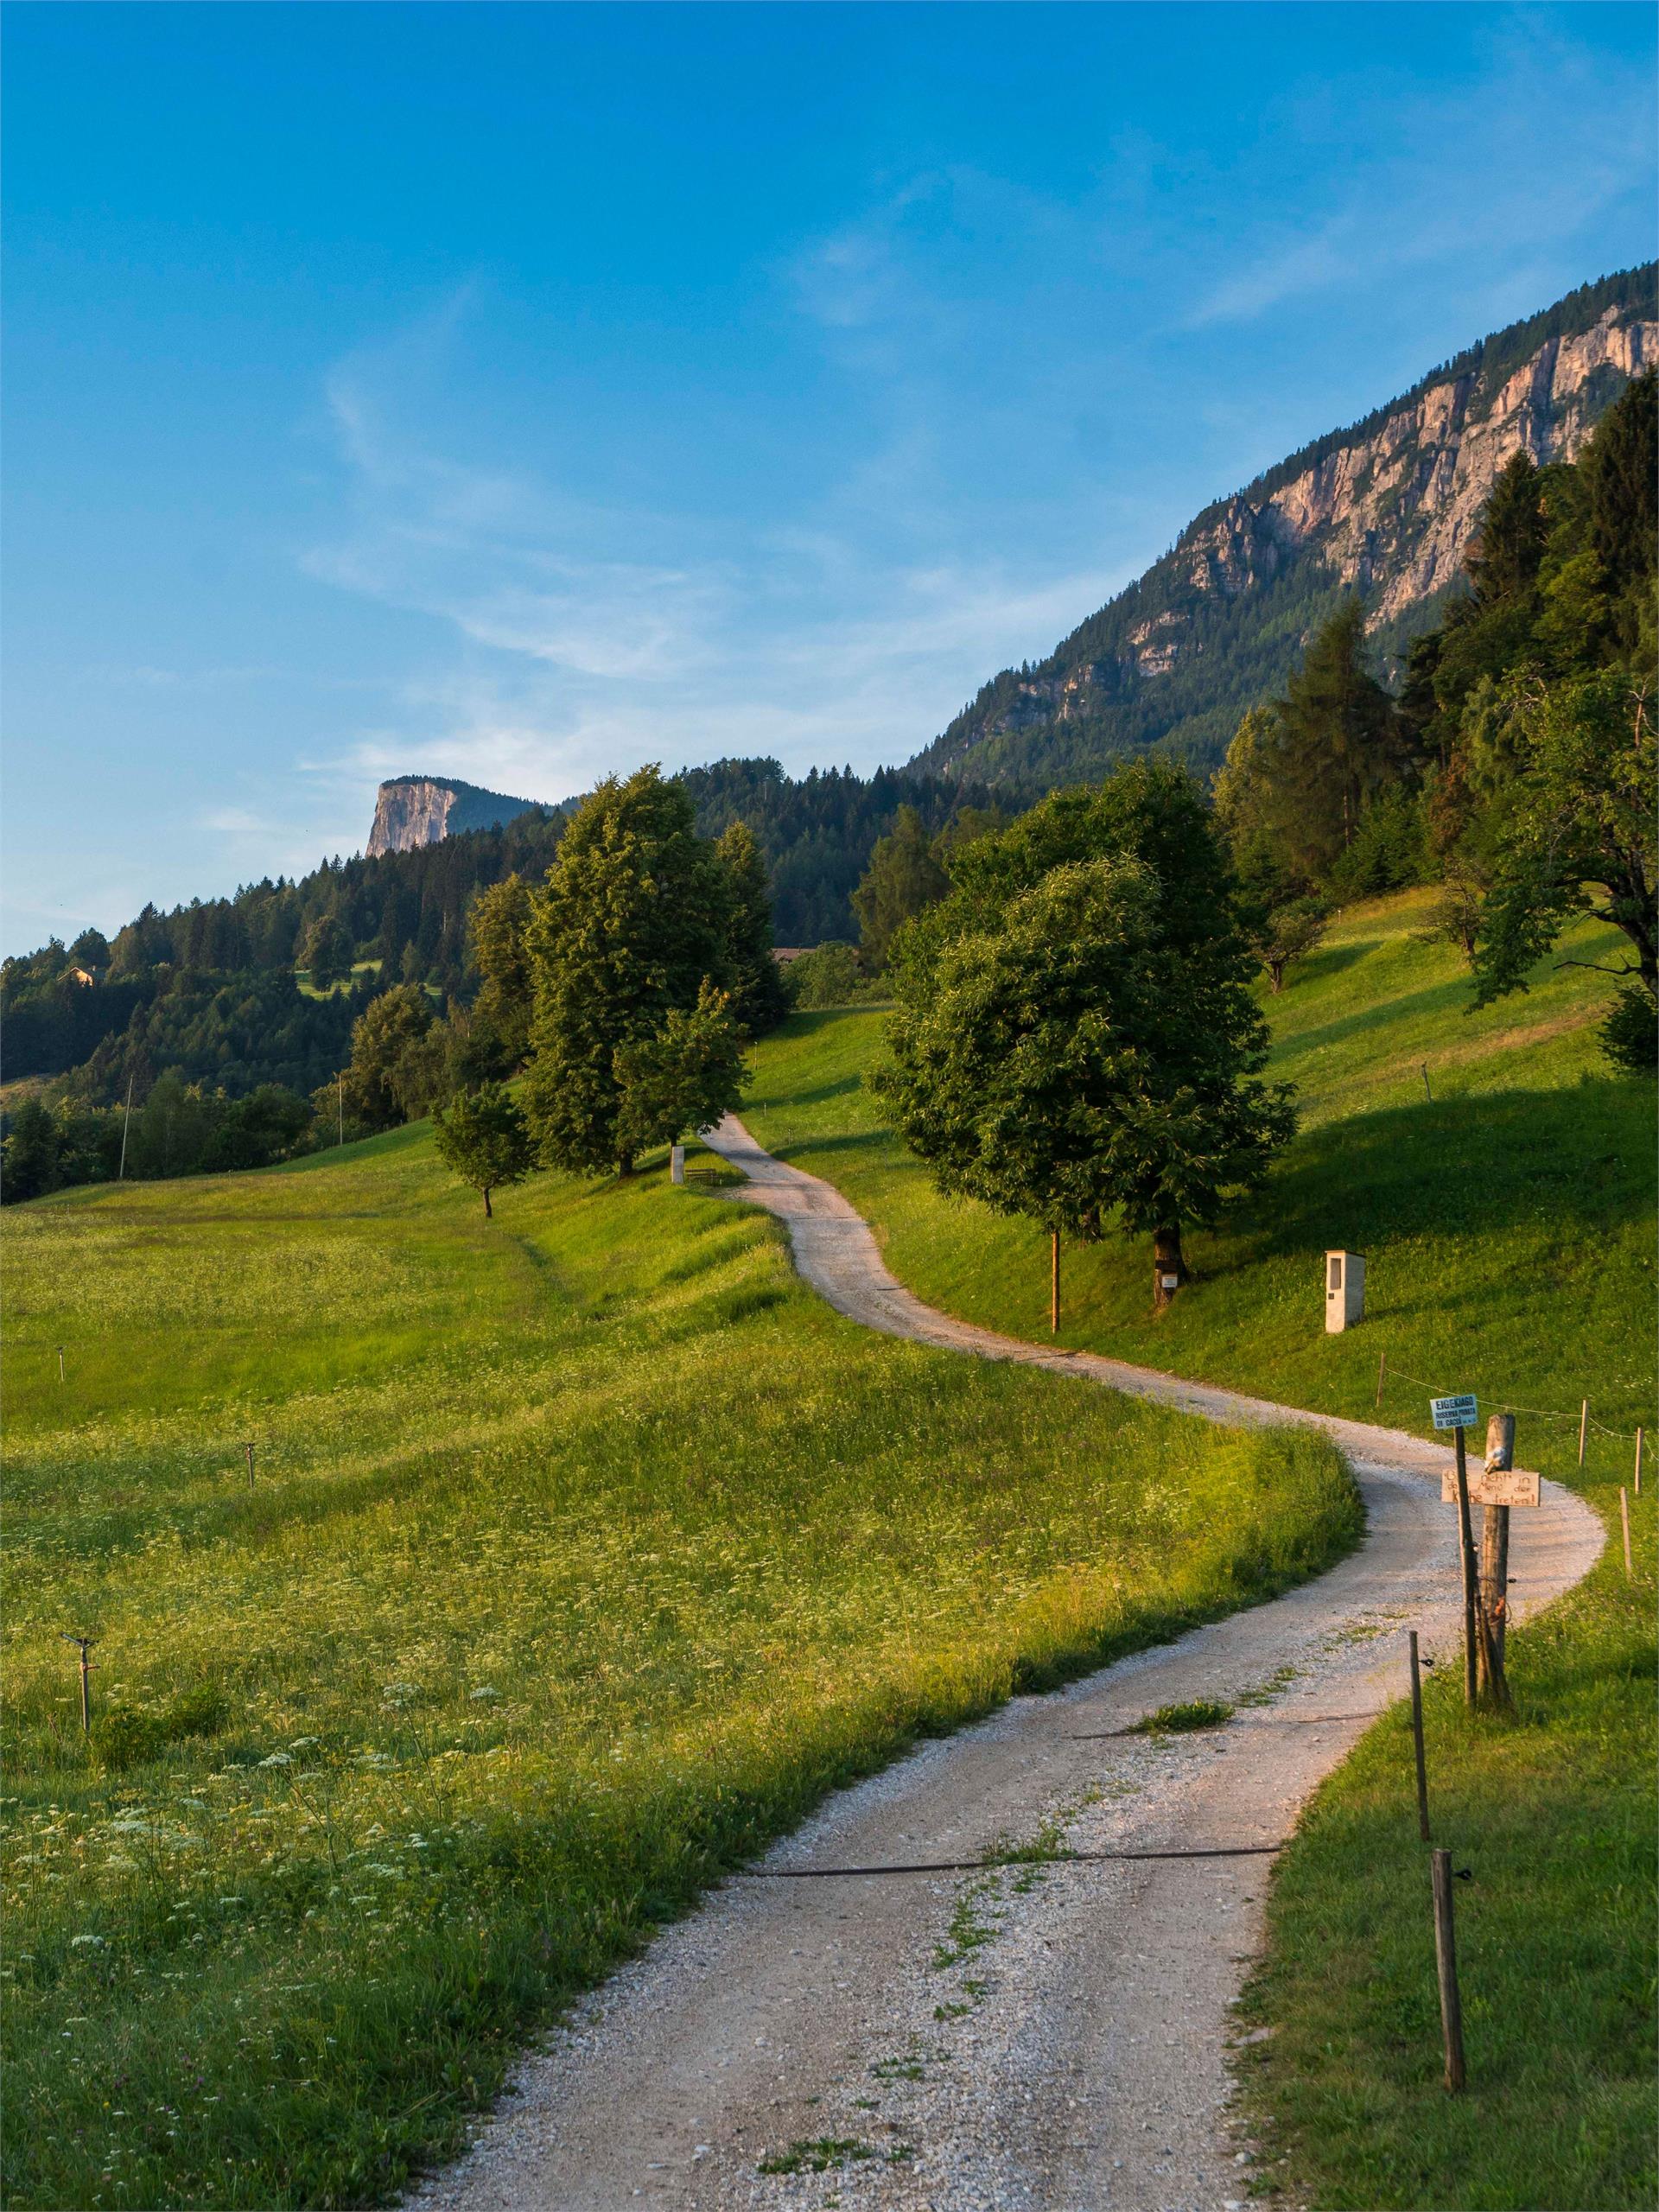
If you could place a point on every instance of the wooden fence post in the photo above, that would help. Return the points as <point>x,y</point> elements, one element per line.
<point>1583,1427</point>
<point>1446,1961</point>
<point>1054,1285</point>
<point>1381,1370</point>
<point>1417,1740</point>
<point>1638,1462</point>
<point>1625,1516</point>
<point>1495,1563</point>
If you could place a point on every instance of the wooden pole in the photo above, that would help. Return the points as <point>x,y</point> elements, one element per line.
<point>59,1363</point>
<point>1638,1462</point>
<point>339,1102</point>
<point>86,1645</point>
<point>1427,1093</point>
<point>1054,1285</point>
<point>1583,1427</point>
<point>1466,1545</point>
<point>1494,1563</point>
<point>1381,1370</point>
<point>1625,1516</point>
<point>1445,1962</point>
<point>1417,1740</point>
<point>248,1448</point>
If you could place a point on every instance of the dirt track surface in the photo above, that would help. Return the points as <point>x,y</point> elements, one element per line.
<point>1032,2038</point>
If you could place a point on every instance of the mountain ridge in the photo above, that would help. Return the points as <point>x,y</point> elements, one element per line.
<point>1386,505</point>
<point>414,810</point>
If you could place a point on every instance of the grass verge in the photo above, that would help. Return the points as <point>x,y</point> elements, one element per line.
<point>1553,1813</point>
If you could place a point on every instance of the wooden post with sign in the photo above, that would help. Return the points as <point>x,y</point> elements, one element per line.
<point>1458,1413</point>
<point>86,1645</point>
<point>1495,1563</point>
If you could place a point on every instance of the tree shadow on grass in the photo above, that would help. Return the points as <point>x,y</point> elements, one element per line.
<point>1581,1159</point>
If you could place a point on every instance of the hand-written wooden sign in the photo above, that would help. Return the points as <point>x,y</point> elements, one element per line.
<point>1460,1412</point>
<point>1492,1486</point>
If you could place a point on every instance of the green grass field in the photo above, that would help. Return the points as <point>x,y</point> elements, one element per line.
<point>1507,1220</point>
<point>586,1549</point>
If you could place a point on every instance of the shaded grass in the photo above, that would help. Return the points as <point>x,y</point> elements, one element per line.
<point>586,1550</point>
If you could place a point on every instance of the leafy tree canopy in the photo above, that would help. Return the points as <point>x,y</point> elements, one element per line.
<point>483,1138</point>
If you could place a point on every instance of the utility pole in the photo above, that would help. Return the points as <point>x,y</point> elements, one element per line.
<point>121,1173</point>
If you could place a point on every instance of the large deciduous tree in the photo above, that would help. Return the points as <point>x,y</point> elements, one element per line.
<point>633,922</point>
<point>1074,1037</point>
<point>498,929</point>
<point>760,998</point>
<point>682,1077</point>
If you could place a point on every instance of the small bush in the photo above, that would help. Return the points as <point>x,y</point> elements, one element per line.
<point>122,1739</point>
<point>827,976</point>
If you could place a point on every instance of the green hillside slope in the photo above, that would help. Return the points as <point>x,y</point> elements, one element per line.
<point>585,1549</point>
<point>1506,1209</point>
<point>1507,1212</point>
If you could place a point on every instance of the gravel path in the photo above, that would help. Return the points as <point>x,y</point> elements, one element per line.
<point>1051,2036</point>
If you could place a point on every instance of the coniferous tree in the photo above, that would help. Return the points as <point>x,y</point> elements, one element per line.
<point>633,922</point>
<point>1504,557</point>
<point>904,878</point>
<point>29,1159</point>
<point>1335,743</point>
<point>325,951</point>
<point>497,927</point>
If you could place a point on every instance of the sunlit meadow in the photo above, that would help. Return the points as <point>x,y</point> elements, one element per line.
<point>584,1549</point>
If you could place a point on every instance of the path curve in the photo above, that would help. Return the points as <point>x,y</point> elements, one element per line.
<point>1073,2054</point>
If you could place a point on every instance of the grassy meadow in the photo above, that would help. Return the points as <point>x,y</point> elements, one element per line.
<point>585,1550</point>
<point>1507,1212</point>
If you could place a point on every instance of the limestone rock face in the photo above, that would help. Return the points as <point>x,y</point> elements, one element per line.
<point>1387,509</point>
<point>414,810</point>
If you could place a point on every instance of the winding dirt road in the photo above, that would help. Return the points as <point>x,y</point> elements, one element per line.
<point>1037,2038</point>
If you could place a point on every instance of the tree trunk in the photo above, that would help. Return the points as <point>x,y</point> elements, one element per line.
<point>625,1164</point>
<point>1276,976</point>
<point>1167,1262</point>
<point>488,1216</point>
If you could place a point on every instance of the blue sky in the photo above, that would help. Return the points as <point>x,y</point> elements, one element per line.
<point>525,392</point>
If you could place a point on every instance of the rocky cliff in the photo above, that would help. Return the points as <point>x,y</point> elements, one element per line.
<point>413,810</point>
<point>1387,507</point>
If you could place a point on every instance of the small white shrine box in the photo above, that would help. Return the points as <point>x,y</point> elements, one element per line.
<point>1344,1290</point>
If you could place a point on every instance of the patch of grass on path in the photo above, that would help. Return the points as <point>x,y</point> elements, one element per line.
<point>1554,1814</point>
<point>586,1550</point>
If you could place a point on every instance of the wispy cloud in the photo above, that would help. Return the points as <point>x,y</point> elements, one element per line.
<point>1491,176</point>
<point>585,638</point>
